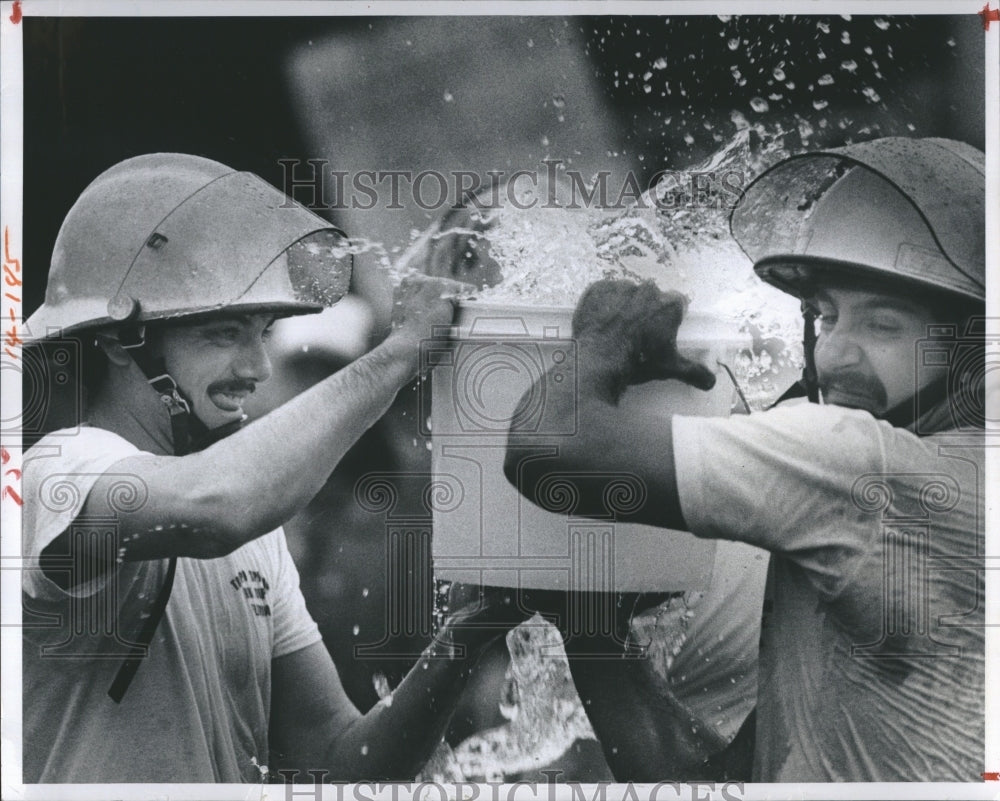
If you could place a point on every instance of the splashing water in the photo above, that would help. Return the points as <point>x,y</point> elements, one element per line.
<point>543,711</point>
<point>675,234</point>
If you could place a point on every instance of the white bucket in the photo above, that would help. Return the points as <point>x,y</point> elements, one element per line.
<point>485,532</point>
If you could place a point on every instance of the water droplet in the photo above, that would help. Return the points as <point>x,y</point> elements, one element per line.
<point>448,96</point>
<point>759,104</point>
<point>850,65</point>
<point>364,750</point>
<point>732,44</point>
<point>356,630</point>
<point>871,94</point>
<point>845,37</point>
<point>881,24</point>
<point>647,88</point>
<point>660,64</point>
<point>823,27</point>
<point>364,592</point>
<point>779,74</point>
<point>559,100</point>
<point>819,105</point>
<point>545,141</point>
<point>531,43</point>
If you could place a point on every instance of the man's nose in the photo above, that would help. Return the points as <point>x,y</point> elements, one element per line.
<point>837,349</point>
<point>253,363</point>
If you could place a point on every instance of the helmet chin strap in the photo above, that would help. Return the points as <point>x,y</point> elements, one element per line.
<point>808,385</point>
<point>189,435</point>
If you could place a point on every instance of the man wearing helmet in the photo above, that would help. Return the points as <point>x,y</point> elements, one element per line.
<point>183,649</point>
<point>869,499</point>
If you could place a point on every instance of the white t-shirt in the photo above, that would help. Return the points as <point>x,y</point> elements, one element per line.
<point>872,656</point>
<point>197,709</point>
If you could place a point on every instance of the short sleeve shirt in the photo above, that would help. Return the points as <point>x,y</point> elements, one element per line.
<point>872,656</point>
<point>197,709</point>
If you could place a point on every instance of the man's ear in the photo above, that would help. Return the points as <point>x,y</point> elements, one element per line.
<point>113,349</point>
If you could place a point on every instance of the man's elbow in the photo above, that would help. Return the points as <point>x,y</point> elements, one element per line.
<point>218,522</point>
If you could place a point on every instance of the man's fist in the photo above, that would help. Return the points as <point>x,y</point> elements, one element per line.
<point>634,328</point>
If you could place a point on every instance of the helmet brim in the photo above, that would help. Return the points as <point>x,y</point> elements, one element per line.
<point>770,216</point>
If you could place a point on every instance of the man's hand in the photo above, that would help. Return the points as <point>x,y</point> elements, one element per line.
<point>628,333</point>
<point>480,616</point>
<point>420,303</point>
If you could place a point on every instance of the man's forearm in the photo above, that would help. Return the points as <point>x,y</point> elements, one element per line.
<point>394,740</point>
<point>645,733</point>
<point>209,503</point>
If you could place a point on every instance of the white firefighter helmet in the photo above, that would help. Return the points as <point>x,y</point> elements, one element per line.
<point>169,235</point>
<point>897,209</point>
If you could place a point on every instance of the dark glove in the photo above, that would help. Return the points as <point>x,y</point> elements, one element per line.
<point>591,622</point>
<point>480,616</point>
<point>633,329</point>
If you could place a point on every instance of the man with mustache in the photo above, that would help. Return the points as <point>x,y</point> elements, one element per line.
<point>175,645</point>
<point>869,497</point>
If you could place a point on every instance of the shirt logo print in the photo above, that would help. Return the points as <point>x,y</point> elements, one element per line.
<point>254,587</point>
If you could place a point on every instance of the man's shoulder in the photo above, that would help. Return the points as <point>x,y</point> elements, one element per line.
<point>73,458</point>
<point>816,421</point>
<point>83,438</point>
<point>810,422</point>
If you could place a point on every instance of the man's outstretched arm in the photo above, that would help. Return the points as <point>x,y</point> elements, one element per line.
<point>625,334</point>
<point>209,503</point>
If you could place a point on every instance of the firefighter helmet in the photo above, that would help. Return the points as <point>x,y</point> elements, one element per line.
<point>169,235</point>
<point>910,210</point>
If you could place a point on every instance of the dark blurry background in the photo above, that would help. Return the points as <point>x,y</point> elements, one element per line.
<point>479,93</point>
<point>249,92</point>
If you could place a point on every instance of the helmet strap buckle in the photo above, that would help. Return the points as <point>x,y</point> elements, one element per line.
<point>167,387</point>
<point>132,337</point>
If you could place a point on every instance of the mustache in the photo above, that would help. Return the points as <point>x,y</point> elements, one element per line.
<point>851,382</point>
<point>235,385</point>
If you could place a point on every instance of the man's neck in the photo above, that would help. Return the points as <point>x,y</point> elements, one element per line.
<point>129,407</point>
